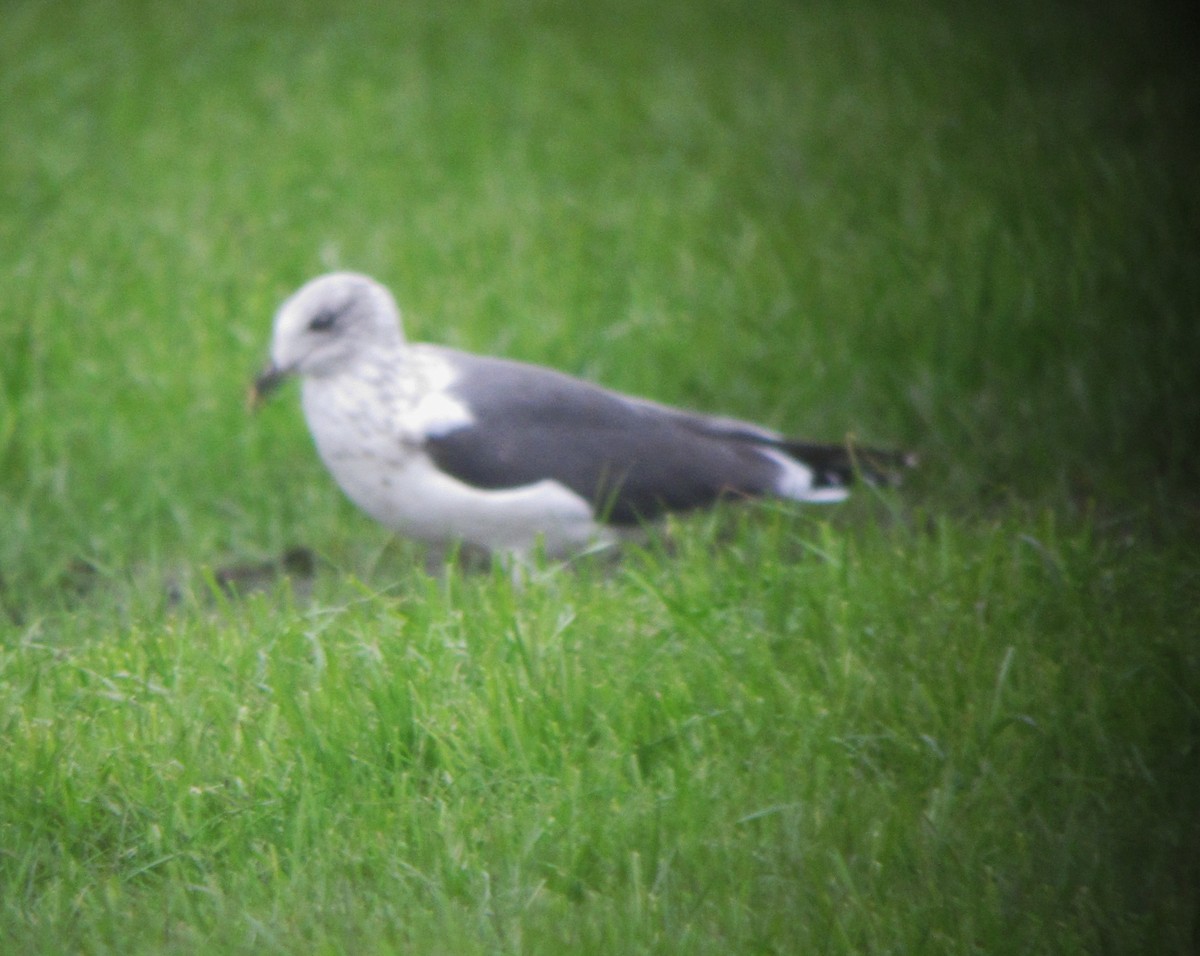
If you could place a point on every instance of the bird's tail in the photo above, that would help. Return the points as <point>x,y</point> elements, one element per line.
<point>810,471</point>
<point>840,465</point>
<point>828,470</point>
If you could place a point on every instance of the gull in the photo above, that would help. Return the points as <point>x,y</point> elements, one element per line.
<point>448,447</point>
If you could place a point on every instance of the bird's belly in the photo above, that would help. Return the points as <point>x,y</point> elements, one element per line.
<point>409,495</point>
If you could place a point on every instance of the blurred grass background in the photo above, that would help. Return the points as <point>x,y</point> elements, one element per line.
<point>965,229</point>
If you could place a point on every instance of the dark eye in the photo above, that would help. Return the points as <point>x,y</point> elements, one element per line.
<point>323,321</point>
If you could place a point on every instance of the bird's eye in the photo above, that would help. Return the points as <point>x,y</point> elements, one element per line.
<point>323,321</point>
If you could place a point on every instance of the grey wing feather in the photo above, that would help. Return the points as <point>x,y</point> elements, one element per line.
<point>631,459</point>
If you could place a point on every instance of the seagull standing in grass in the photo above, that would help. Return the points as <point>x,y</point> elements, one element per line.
<point>445,446</point>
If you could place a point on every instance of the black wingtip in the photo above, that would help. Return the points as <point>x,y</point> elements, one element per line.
<point>840,465</point>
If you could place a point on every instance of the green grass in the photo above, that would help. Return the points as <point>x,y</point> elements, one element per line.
<point>959,718</point>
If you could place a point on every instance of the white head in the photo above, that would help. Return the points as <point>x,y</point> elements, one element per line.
<point>328,325</point>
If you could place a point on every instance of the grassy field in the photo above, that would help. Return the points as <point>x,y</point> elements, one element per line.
<point>963,717</point>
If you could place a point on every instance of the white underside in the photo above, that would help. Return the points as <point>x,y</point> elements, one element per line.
<point>415,499</point>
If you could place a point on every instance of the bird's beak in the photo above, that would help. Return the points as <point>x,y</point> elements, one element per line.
<point>269,379</point>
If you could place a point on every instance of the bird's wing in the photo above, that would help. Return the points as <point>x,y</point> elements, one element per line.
<point>631,459</point>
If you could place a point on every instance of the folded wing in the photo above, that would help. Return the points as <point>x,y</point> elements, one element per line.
<point>632,459</point>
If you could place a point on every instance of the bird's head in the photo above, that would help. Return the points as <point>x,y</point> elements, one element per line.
<point>327,326</point>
